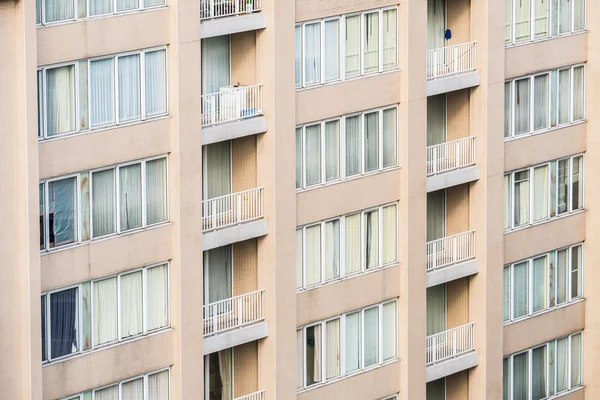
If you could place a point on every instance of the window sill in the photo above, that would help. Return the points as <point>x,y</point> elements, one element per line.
<point>347,277</point>
<point>97,17</point>
<point>545,221</point>
<point>545,311</point>
<point>347,179</point>
<point>349,375</point>
<point>540,132</point>
<point>349,79</point>
<point>544,39</point>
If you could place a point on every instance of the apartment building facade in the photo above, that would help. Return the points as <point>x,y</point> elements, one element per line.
<point>277,199</point>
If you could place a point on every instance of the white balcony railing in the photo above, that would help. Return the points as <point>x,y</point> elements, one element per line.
<point>451,60</point>
<point>449,344</point>
<point>450,250</point>
<point>260,395</point>
<point>452,155</point>
<point>234,312</point>
<point>232,103</point>
<point>224,8</point>
<point>232,209</point>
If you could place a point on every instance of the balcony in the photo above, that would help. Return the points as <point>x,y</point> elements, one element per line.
<point>224,17</point>
<point>232,218</point>
<point>452,68</point>
<point>451,258</point>
<point>450,351</point>
<point>253,396</point>
<point>451,163</point>
<point>234,321</point>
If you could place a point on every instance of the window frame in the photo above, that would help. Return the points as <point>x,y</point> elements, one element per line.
<point>48,316</point>
<point>141,7</point>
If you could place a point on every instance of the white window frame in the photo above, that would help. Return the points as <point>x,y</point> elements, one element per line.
<point>47,294</point>
<point>44,128</point>
<point>141,7</point>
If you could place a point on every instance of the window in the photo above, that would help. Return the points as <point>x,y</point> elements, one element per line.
<point>347,245</point>
<point>334,150</point>
<point>101,92</point>
<point>543,282</point>
<point>527,20</point>
<point>104,311</point>
<point>119,199</point>
<point>365,337</point>
<point>49,11</point>
<point>346,46</point>
<point>544,370</point>
<point>152,386</point>
<point>544,101</point>
<point>543,192</point>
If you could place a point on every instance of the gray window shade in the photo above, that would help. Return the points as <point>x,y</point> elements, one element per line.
<point>102,92</point>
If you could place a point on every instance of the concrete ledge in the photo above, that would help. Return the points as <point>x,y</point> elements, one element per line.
<point>236,337</point>
<point>452,83</point>
<point>234,130</point>
<point>452,366</point>
<point>233,24</point>
<point>452,272</point>
<point>233,234</point>
<point>452,178</point>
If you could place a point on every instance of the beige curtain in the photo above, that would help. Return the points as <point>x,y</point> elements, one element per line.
<point>60,100</point>
<point>133,390</point>
<point>521,198</point>
<point>390,51</point>
<point>508,21</point>
<point>332,249</point>
<point>158,386</point>
<point>540,193</point>
<point>157,297</point>
<point>352,45</point>
<point>313,254</point>
<point>523,20</point>
<point>105,311</point>
<point>390,328</point>
<point>317,355</point>
<point>332,361</point>
<point>225,373</point>
<point>109,393</point>
<point>564,96</point>
<point>131,304</point>
<point>371,42</point>
<point>390,235</point>
<point>542,18</point>
<point>371,238</point>
<point>578,93</point>
<point>352,243</point>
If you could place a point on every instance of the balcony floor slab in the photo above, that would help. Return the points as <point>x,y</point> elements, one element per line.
<point>452,83</point>
<point>452,272</point>
<point>235,337</point>
<point>233,130</point>
<point>452,366</point>
<point>452,178</point>
<point>233,234</point>
<point>232,24</point>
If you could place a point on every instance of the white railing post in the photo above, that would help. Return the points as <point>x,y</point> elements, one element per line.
<point>211,4</point>
<point>213,315</point>
<point>240,312</point>
<point>454,248</point>
<point>435,159</point>
<point>454,342</point>
<point>455,68</point>
<point>239,208</point>
<point>457,155</point>
<point>434,348</point>
<point>213,207</point>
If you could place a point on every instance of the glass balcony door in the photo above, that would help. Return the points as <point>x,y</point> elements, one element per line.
<point>436,24</point>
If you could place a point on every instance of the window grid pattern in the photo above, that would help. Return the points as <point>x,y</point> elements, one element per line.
<point>60,11</point>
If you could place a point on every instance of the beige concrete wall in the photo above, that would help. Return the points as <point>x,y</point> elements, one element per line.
<point>542,56</point>
<point>457,386</point>
<point>458,20</point>
<point>245,267</point>
<point>243,58</point>
<point>108,366</point>
<point>544,237</point>
<point>347,295</point>
<point>544,327</point>
<point>458,115</point>
<point>535,149</point>
<point>245,369</point>
<point>101,36</point>
<point>243,164</point>
<point>457,303</point>
<point>457,209</point>
<point>106,147</point>
<point>359,94</point>
<point>312,9</point>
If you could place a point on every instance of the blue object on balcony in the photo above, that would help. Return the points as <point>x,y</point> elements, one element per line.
<point>448,34</point>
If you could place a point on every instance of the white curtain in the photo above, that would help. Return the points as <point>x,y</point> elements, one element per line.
<point>130,196</point>
<point>153,3</point>
<point>299,158</point>
<point>353,341</point>
<point>332,249</point>
<point>562,364</point>
<point>436,24</point>
<point>521,198</point>
<point>390,137</point>
<point>158,386</point>
<point>332,150</point>
<point>520,289</point>
<point>332,346</point>
<point>436,215</point>
<point>508,21</point>
<point>102,92</point>
<point>352,243</point>
<point>564,16</point>
<point>390,336</point>
<point>57,10</point>
<point>561,276</point>
<point>563,186</point>
<point>564,96</point>
<point>299,359</point>
<point>352,46</point>
<point>541,95</point>
<point>540,283</point>
<point>436,309</point>
<point>298,54</point>
<point>390,51</point>
<point>313,154</point>
<point>522,106</point>
<point>332,49</point>
<point>371,141</point>
<point>105,311</point>
<point>109,393</point>
<point>553,98</point>
<point>371,237</point>
<point>539,362</point>
<point>521,376</point>
<point>103,202</point>
<point>312,53</point>
<point>133,390</point>
<point>576,360</point>
<point>215,64</point>
<point>157,296</point>
<point>299,252</point>
<point>156,191</point>
<point>225,373</point>
<point>436,119</point>
<point>540,193</point>
<point>371,339</point>
<point>125,5</point>
<point>389,233</point>
<point>218,274</point>
<point>313,354</point>
<point>506,294</point>
<point>576,264</point>
<point>129,87</point>
<point>155,82</point>
<point>579,17</point>
<point>523,20</point>
<point>542,18</point>
<point>578,93</point>
<point>371,42</point>
<point>353,145</point>
<point>313,254</point>
<point>218,169</point>
<point>507,110</point>
<point>98,7</point>
<point>60,99</point>
<point>131,304</point>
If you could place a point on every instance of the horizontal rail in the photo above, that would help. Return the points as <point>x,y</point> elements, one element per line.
<point>450,250</point>
<point>234,312</point>
<point>232,103</point>
<point>225,8</point>
<point>452,155</point>
<point>232,209</point>
<point>451,60</point>
<point>449,344</point>
<point>260,395</point>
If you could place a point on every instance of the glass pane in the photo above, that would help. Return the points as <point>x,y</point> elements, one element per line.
<point>540,193</point>
<point>577,186</point>
<point>62,211</point>
<point>563,186</point>
<point>332,49</point>
<point>86,316</point>
<point>553,98</point>
<point>579,17</point>
<point>371,141</point>
<point>522,106</point>
<point>542,18</point>
<point>332,249</point>
<point>390,51</point>
<point>312,53</point>
<point>104,207</point>
<point>313,154</point>
<point>521,198</point>
<point>332,150</point>
<point>561,276</point>
<point>131,304</point>
<point>157,301</point>
<point>506,291</point>
<point>40,99</point>
<point>576,360</point>
<point>133,390</point>
<point>313,254</point>
<point>125,5</point>
<point>371,340</point>
<point>564,96</point>
<point>520,289</point>
<point>576,262</point>
<point>98,7</point>
<point>520,376</point>
<point>299,256</point>
<point>390,137</point>
<point>158,386</point>
<point>352,243</point>
<point>130,193</point>
<point>332,360</point>
<point>44,329</point>
<point>507,201</point>
<point>129,84</point>
<point>109,393</point>
<point>507,108</point>
<point>522,20</point>
<point>552,367</point>
<point>436,390</point>
<point>42,205</point>
<point>300,358</point>
<point>313,355</point>
<point>541,101</point>
<point>156,191</point>
<point>105,311</point>
<point>353,341</point>
<point>540,283</point>
<point>298,55</point>
<point>59,10</point>
<point>155,82</point>
<point>299,158</point>
<point>508,14</point>
<point>561,364</point>
<point>390,335</point>
<point>353,145</point>
<point>538,373</point>
<point>564,16</point>
<point>371,237</point>
<point>390,235</point>
<point>578,93</point>
<point>60,99</point>
<point>371,42</point>
<point>506,381</point>
<point>352,46</point>
<point>64,322</point>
